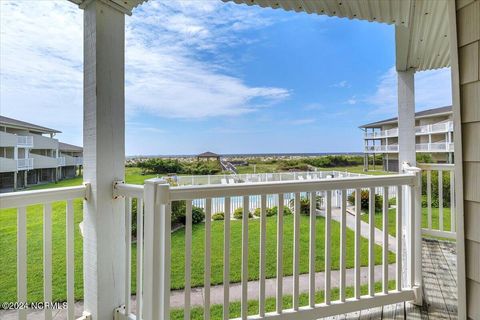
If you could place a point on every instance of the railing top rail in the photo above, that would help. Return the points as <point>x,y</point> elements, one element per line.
<point>28,198</point>
<point>260,188</point>
<point>436,166</point>
<point>127,190</point>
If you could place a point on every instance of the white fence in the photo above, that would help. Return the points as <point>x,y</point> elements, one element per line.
<point>156,251</point>
<point>218,204</point>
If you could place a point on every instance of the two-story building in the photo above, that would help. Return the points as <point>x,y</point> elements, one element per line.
<point>434,137</point>
<point>30,154</point>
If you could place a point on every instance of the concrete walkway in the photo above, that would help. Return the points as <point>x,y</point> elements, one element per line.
<point>364,227</point>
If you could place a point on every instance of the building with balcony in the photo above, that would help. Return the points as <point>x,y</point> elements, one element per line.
<point>433,136</point>
<point>29,154</point>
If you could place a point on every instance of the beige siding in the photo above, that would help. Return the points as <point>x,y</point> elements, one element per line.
<point>468,35</point>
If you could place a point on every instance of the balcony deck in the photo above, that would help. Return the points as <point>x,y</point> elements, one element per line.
<point>440,297</point>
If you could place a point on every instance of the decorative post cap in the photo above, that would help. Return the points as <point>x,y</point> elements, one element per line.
<point>124,6</point>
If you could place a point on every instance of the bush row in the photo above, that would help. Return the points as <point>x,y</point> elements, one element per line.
<point>166,166</point>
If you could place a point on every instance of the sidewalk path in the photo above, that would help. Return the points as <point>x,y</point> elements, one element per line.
<point>364,228</point>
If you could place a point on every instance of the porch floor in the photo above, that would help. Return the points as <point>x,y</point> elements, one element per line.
<point>439,291</point>
<point>440,297</point>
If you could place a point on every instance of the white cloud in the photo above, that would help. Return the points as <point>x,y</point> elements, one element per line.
<point>341,84</point>
<point>313,106</point>
<point>432,89</point>
<point>352,101</point>
<point>298,122</point>
<point>167,74</point>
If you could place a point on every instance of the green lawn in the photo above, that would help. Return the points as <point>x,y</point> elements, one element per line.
<point>35,277</point>
<point>132,175</point>
<point>392,219</point>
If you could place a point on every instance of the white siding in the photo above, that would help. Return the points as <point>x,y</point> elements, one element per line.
<point>468,34</point>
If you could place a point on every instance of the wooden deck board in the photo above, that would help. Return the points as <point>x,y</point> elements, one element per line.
<point>440,296</point>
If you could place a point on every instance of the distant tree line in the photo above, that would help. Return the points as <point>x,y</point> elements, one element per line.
<point>169,166</point>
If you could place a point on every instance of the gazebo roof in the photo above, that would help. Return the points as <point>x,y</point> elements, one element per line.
<point>208,154</point>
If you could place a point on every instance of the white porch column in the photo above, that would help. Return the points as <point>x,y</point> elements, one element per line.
<point>104,155</point>
<point>406,118</point>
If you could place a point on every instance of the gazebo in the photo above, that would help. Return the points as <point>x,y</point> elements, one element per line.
<point>208,155</point>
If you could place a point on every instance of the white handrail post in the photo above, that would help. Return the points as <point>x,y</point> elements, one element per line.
<point>156,281</point>
<point>104,149</point>
<point>414,233</point>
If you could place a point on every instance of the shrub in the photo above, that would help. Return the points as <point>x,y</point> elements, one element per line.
<point>218,216</point>
<point>445,187</point>
<point>178,212</point>
<point>273,211</point>
<point>392,201</point>
<point>364,200</point>
<point>305,204</point>
<point>179,209</point>
<point>238,213</point>
<point>198,215</point>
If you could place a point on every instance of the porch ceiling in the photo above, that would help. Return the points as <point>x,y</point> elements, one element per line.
<point>422,35</point>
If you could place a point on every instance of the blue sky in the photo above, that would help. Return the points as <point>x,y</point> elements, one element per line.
<point>205,75</point>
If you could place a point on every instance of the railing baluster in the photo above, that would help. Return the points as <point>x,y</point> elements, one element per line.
<point>371,242</point>
<point>343,245</point>
<point>207,275</point>
<point>311,269</point>
<point>22,260</point>
<point>429,198</point>
<point>244,301</point>
<point>70,221</point>
<point>279,305</point>
<point>399,238</point>
<point>226,260</point>
<point>411,242</point>
<point>385,241</point>
<point>452,201</point>
<point>440,200</point>
<point>263,237</point>
<point>358,212</point>
<point>47,257</point>
<point>128,252</point>
<point>139,289</point>
<point>188,258</point>
<point>328,252</point>
<point>296,246</point>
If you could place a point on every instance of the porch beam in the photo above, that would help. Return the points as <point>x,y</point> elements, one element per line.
<point>104,155</point>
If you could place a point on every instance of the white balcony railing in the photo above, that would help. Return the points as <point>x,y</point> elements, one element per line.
<point>154,252</point>
<point>419,130</point>
<point>434,128</point>
<point>419,147</point>
<point>434,147</point>
<point>158,195</point>
<point>61,161</point>
<point>25,164</point>
<point>78,161</point>
<point>20,201</point>
<point>437,222</point>
<point>25,141</point>
<point>382,148</point>
<point>382,134</point>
